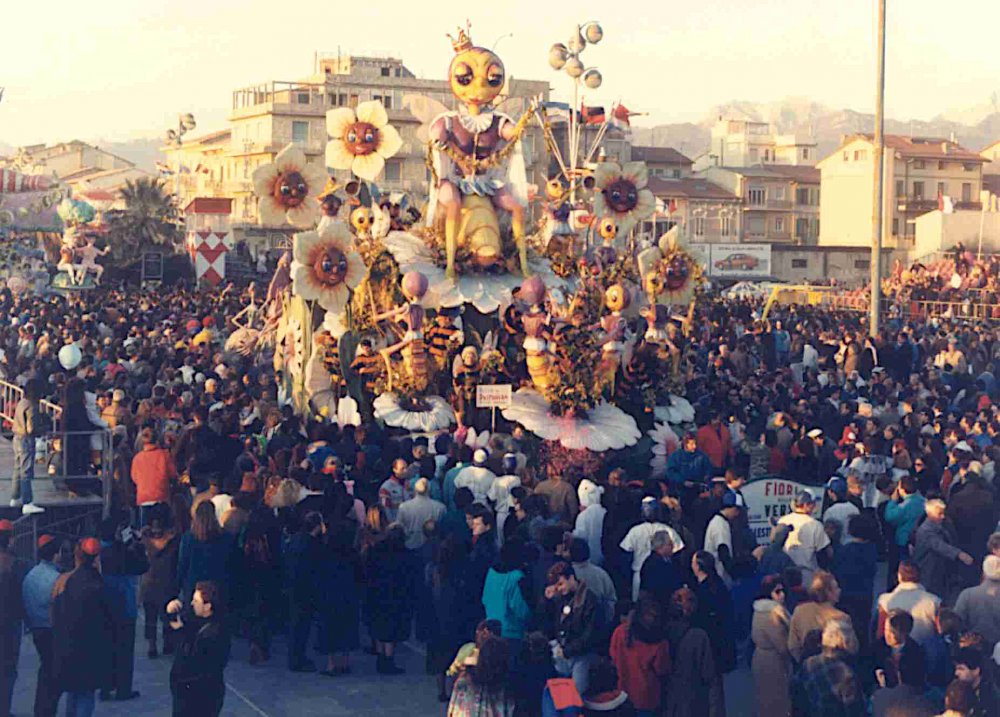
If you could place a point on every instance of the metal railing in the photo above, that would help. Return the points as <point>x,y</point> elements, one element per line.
<point>917,308</point>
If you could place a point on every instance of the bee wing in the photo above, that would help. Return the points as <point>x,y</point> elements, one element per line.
<point>424,109</point>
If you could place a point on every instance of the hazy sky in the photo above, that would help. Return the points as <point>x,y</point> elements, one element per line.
<point>118,69</point>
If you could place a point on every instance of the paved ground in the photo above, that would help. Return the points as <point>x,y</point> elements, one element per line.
<point>272,691</point>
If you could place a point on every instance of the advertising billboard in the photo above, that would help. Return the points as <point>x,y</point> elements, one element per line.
<point>739,260</point>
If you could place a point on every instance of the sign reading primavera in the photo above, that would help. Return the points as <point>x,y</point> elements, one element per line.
<point>493,396</point>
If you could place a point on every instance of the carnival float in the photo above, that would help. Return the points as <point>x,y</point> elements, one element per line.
<point>392,308</point>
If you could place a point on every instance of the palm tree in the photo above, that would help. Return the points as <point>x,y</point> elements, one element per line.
<point>150,219</point>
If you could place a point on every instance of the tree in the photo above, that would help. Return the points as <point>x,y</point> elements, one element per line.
<point>150,219</point>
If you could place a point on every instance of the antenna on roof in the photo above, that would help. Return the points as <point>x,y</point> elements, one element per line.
<point>1,93</point>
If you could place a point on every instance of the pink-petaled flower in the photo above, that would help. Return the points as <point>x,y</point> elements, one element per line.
<point>361,141</point>
<point>286,188</point>
<point>621,193</point>
<point>326,267</point>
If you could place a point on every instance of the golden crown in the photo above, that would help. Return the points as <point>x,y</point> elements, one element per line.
<point>463,41</point>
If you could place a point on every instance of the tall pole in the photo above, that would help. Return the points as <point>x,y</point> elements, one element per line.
<point>877,222</point>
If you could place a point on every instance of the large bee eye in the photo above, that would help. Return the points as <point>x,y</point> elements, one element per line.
<point>494,76</point>
<point>463,74</point>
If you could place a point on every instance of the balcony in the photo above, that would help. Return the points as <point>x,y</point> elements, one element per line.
<point>921,205</point>
<point>767,205</point>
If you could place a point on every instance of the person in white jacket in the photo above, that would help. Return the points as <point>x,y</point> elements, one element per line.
<point>499,492</point>
<point>590,520</point>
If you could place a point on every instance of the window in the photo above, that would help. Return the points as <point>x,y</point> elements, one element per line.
<point>942,189</point>
<point>302,98</point>
<point>969,167</point>
<point>920,164</point>
<point>805,153</point>
<point>862,264</point>
<point>756,196</point>
<point>779,224</point>
<point>332,98</point>
<point>393,170</point>
<point>385,72</point>
<point>387,101</point>
<point>675,173</point>
<point>860,155</point>
<point>900,188</point>
<point>341,99</point>
<point>300,132</point>
<point>942,165</point>
<point>966,192</point>
<point>699,226</point>
<point>353,101</point>
<point>727,225</point>
<point>754,155</point>
<point>802,195</point>
<point>767,155</point>
<point>918,190</point>
<point>846,155</point>
<point>895,226</point>
<point>755,226</point>
<point>779,193</point>
<point>801,227</point>
<point>800,263</point>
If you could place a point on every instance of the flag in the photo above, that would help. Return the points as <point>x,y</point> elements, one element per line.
<point>672,206</point>
<point>163,169</point>
<point>591,115</point>
<point>619,117</point>
<point>556,110</point>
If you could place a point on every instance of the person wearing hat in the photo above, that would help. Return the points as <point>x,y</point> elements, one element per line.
<point>839,509</point>
<point>26,427</point>
<point>82,618</point>
<point>12,572</point>
<point>808,544</point>
<point>477,477</point>
<point>36,592</point>
<point>416,512</point>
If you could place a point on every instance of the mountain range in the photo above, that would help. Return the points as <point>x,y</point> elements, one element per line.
<point>973,128</point>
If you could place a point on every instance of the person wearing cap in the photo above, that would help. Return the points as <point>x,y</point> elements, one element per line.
<point>638,540</point>
<point>563,501</point>
<point>12,573</point>
<point>36,591</point>
<point>839,509</point>
<point>26,427</point>
<point>499,494</point>
<point>395,489</point>
<point>477,477</point>
<point>82,619</point>
<point>415,513</point>
<point>808,544</point>
<point>979,606</point>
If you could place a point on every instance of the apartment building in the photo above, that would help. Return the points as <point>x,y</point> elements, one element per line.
<point>78,164</point>
<point>744,143</point>
<point>265,118</point>
<point>779,203</point>
<point>705,212</point>
<point>662,162</point>
<point>918,173</point>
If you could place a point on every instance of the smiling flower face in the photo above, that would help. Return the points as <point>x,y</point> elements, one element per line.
<point>326,267</point>
<point>361,142</point>
<point>622,195</point>
<point>285,188</point>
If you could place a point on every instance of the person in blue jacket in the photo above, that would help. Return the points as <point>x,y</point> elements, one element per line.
<point>688,468</point>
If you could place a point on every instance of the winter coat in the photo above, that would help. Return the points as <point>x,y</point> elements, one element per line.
<point>159,584</point>
<point>391,578</point>
<point>503,599</point>
<point>979,608</point>
<point>590,521</point>
<point>807,617</point>
<point>690,685</point>
<point>213,560</point>
<point>305,563</point>
<point>936,554</point>
<point>642,666</point>
<point>82,618</point>
<point>12,573</point>
<point>573,621</point>
<point>121,567</point>
<point>971,511</point>
<point>202,652</point>
<point>772,663</point>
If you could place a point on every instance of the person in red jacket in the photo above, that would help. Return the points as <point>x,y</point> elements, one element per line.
<point>153,470</point>
<point>642,656</point>
<point>714,440</point>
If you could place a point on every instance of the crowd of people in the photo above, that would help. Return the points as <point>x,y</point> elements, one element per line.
<point>959,278</point>
<point>538,587</point>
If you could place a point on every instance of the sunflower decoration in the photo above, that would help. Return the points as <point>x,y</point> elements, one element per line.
<point>620,193</point>
<point>361,141</point>
<point>669,271</point>
<point>287,187</point>
<point>326,267</point>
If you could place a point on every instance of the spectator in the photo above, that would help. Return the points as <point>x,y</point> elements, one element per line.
<point>688,467</point>
<point>771,664</point>
<point>153,472</point>
<point>638,540</point>
<point>37,595</point>
<point>660,577</point>
<point>390,592</point>
<point>483,687</point>
<point>979,607</point>
<point>158,585</point>
<point>562,499</point>
<point>304,564</point>
<point>642,656</point>
<point>506,596</point>
<point>594,577</point>
<point>477,477</point>
<point>907,698</point>
<point>590,521</point>
<point>571,617</point>
<point>855,565</point>
<point>840,509</point>
<point>606,697</point>
<point>196,677</point>
<point>205,553</point>
<point>807,544</point>
<point>28,424</point>
<point>971,668</point>
<point>719,536</point>
<point>896,645</point>
<point>910,597</point>
<point>714,441</point>
<point>414,514</point>
<point>12,574</point>
<point>395,490</point>
<point>971,510</point>
<point>82,629</point>
<point>715,610</point>
<point>824,593</point>
<point>959,700</point>
<point>936,552</point>
<point>826,684</point>
<point>694,687</point>
<point>902,514</point>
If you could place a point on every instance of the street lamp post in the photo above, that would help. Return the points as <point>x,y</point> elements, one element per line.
<point>175,138</point>
<point>877,220</point>
<point>567,57</point>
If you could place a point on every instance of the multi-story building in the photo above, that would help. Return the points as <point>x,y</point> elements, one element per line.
<point>76,163</point>
<point>780,203</point>
<point>265,118</point>
<point>662,162</point>
<point>919,172</point>
<point>705,212</point>
<point>744,143</point>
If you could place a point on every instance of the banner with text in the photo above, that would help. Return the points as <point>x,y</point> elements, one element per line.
<point>770,498</point>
